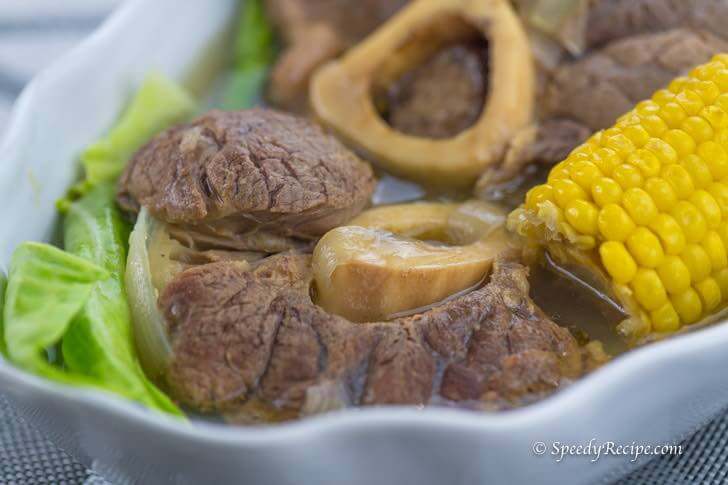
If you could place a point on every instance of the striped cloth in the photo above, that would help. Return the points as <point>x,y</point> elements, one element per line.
<point>34,33</point>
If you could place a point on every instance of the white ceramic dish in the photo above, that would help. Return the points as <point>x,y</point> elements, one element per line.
<point>653,395</point>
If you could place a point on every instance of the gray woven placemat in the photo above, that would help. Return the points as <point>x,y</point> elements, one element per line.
<point>27,457</point>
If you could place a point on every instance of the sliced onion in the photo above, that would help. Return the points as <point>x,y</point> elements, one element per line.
<point>149,329</point>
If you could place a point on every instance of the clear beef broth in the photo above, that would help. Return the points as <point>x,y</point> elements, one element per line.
<point>570,304</point>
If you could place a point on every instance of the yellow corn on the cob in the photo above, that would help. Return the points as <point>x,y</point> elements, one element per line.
<point>646,202</point>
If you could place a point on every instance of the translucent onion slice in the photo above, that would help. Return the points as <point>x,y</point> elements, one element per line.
<point>149,329</point>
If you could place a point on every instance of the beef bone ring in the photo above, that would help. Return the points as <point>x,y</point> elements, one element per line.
<point>341,91</point>
<point>372,269</point>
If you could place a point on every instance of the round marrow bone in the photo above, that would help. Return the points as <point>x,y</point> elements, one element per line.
<point>340,91</point>
<point>364,272</point>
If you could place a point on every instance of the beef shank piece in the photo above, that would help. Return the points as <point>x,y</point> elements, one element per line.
<point>609,20</point>
<point>315,31</point>
<point>612,80</point>
<point>636,48</point>
<point>244,339</point>
<point>247,180</point>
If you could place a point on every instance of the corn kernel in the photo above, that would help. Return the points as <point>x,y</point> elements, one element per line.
<point>707,205</point>
<point>722,58</point>
<point>680,179</point>
<point>644,246</point>
<point>663,96</point>
<point>647,107</point>
<point>722,102</point>
<point>663,150</point>
<point>698,170</point>
<point>606,191</point>
<point>636,134</point>
<point>707,90</point>
<point>582,216</point>
<point>630,118</point>
<point>706,71</point>
<point>614,223</point>
<point>709,292</point>
<point>584,173</point>
<point>716,158</point>
<point>690,101</point>
<point>648,289</point>
<point>646,161</point>
<point>691,221</point>
<point>715,248</point>
<point>669,232</point>
<point>721,277</point>
<point>688,306</point>
<point>674,274</point>
<point>677,84</point>
<point>653,124</point>
<point>567,190</point>
<point>723,233</point>
<point>721,79</point>
<point>606,160</point>
<point>538,195</point>
<point>628,176</point>
<point>683,144</point>
<point>672,114</point>
<point>719,191</point>
<point>575,157</point>
<point>717,118</point>
<point>559,172</point>
<point>665,319</point>
<point>662,193</point>
<point>619,143</point>
<point>697,261</point>
<point>697,129</point>
<point>608,133</point>
<point>639,206</point>
<point>618,262</point>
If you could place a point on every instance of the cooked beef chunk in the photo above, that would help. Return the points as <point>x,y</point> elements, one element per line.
<point>608,82</point>
<point>314,32</point>
<point>443,96</point>
<point>612,80</point>
<point>254,336</point>
<point>616,19</point>
<point>247,180</point>
<point>634,47</point>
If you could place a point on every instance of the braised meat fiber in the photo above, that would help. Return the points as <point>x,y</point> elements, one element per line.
<point>248,180</point>
<point>245,338</point>
<point>616,19</point>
